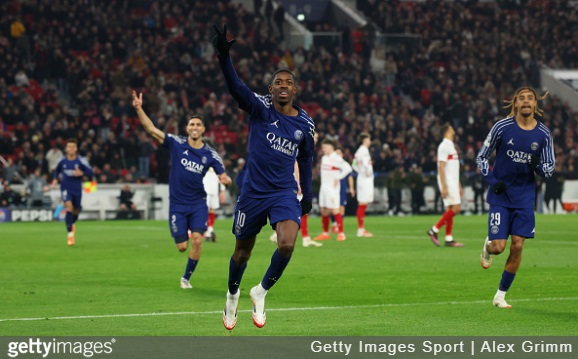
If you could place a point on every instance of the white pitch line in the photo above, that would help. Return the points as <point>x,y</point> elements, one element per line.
<point>388,305</point>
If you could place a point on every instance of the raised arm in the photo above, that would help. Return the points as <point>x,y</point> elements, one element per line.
<point>145,120</point>
<point>247,99</point>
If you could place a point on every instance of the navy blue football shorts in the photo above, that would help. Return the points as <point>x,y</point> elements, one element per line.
<point>251,214</point>
<point>503,221</point>
<point>182,218</point>
<point>74,197</point>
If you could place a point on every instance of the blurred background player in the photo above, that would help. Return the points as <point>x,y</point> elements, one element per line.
<point>523,147</point>
<point>450,187</point>
<point>333,169</point>
<point>363,165</point>
<point>190,161</point>
<point>70,170</point>
<point>347,185</point>
<point>215,196</point>
<point>280,133</point>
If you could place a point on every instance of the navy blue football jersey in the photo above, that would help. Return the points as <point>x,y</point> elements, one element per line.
<point>188,167</point>
<point>513,146</point>
<point>275,142</point>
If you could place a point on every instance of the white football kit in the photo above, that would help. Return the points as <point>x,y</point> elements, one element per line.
<point>362,164</point>
<point>447,153</point>
<point>333,169</point>
<point>212,187</point>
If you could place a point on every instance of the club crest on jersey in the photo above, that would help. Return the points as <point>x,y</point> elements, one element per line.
<point>298,135</point>
<point>495,229</point>
<point>204,160</point>
<point>534,146</point>
<point>282,144</point>
<point>192,166</point>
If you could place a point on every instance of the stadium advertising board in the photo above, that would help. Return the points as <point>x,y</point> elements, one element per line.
<point>25,215</point>
<point>4,215</point>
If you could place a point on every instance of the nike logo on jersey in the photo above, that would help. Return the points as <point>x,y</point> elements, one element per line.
<point>186,153</point>
<point>275,123</point>
<point>511,142</point>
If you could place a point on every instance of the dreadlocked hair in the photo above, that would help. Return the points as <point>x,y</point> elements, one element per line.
<point>510,103</point>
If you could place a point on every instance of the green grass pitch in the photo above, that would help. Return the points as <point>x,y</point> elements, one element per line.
<point>122,278</point>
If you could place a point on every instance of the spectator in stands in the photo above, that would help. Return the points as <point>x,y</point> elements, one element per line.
<point>279,18</point>
<point>36,188</point>
<point>554,189</point>
<point>10,198</point>
<point>479,187</point>
<point>126,203</point>
<point>416,182</point>
<point>145,151</point>
<point>395,183</point>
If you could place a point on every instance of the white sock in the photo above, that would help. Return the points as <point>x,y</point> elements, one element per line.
<point>500,294</point>
<point>260,291</point>
<point>449,238</point>
<point>435,229</point>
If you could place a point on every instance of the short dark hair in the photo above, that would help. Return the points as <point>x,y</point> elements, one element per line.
<point>445,127</point>
<point>328,141</point>
<point>72,140</point>
<point>363,136</point>
<point>279,71</point>
<point>196,116</point>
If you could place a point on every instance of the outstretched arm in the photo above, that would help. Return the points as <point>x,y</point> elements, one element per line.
<point>145,120</point>
<point>247,99</point>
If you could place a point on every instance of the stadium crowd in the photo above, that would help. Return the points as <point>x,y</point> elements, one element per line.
<point>69,68</point>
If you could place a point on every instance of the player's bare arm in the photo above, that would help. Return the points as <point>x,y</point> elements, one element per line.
<point>224,179</point>
<point>442,171</point>
<point>351,186</point>
<point>146,122</point>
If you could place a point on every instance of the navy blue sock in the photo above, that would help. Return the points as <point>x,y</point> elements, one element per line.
<point>235,275</point>
<point>506,282</point>
<point>69,220</point>
<point>75,218</point>
<point>191,265</point>
<point>275,270</point>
